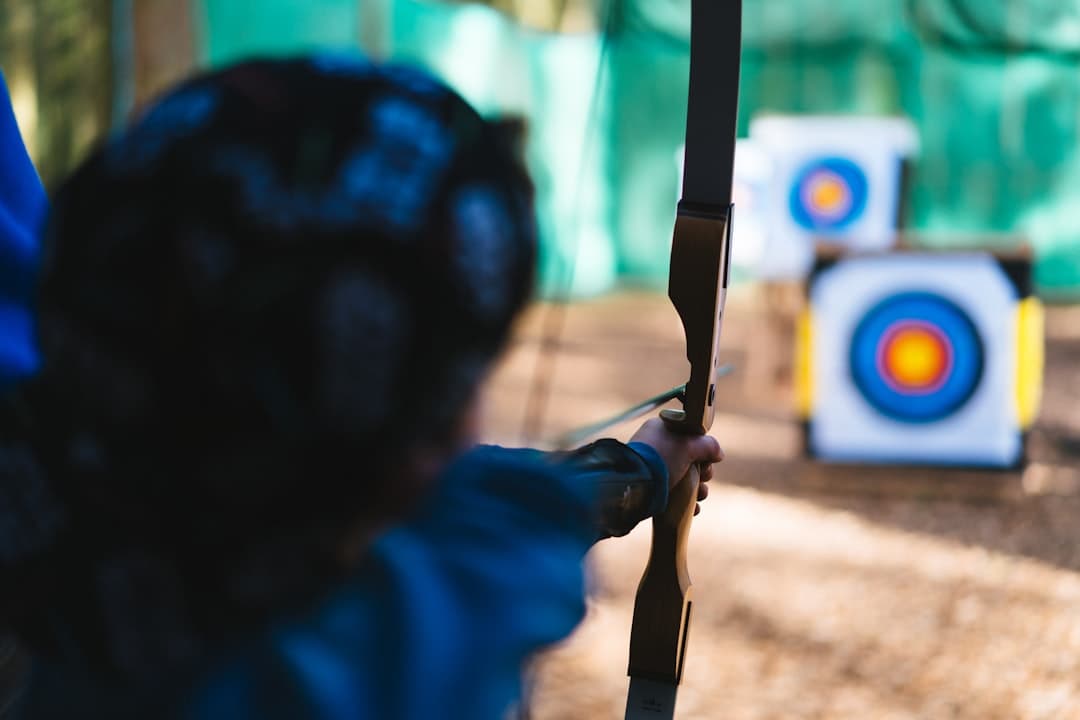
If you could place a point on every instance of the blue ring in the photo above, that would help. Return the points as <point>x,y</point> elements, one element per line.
<point>850,174</point>
<point>958,387</point>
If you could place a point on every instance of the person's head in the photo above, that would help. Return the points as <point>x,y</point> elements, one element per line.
<point>259,306</point>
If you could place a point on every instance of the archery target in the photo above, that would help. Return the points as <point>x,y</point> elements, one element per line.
<point>916,357</point>
<point>836,179</point>
<point>913,357</point>
<point>828,194</point>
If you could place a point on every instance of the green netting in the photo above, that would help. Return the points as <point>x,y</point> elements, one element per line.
<point>238,28</point>
<point>552,80</point>
<point>992,88</point>
<point>500,68</point>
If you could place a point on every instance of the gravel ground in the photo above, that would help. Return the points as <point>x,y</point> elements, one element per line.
<point>823,591</point>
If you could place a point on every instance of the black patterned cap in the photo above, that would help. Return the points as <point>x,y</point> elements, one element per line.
<point>279,278</point>
<point>322,243</point>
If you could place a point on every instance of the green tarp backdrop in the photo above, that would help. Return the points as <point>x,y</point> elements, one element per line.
<point>992,87</point>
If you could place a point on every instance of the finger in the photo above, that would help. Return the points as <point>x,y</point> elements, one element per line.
<point>703,491</point>
<point>706,472</point>
<point>697,510</point>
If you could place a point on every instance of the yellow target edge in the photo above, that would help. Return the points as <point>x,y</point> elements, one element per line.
<point>1031,358</point>
<point>804,364</point>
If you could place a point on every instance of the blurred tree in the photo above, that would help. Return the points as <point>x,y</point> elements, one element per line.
<point>17,62</point>
<point>73,74</point>
<point>164,44</point>
<point>56,57</point>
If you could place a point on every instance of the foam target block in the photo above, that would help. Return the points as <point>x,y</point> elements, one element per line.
<point>925,358</point>
<point>751,185</point>
<point>836,179</point>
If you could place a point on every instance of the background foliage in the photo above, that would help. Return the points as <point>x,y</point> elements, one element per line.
<point>992,88</point>
<point>56,57</point>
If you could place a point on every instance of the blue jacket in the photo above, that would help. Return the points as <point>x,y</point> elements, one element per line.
<point>439,620</point>
<point>22,211</point>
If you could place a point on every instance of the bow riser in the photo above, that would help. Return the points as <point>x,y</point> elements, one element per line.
<point>662,606</point>
<point>700,256</point>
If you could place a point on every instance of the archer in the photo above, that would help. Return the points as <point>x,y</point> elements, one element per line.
<point>244,482</point>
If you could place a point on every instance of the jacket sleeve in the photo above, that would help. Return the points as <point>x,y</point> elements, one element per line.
<point>629,483</point>
<point>23,206</point>
<point>440,619</point>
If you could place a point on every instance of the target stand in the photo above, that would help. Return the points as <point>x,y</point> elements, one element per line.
<point>915,357</point>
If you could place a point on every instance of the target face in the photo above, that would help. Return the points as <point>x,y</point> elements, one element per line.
<point>916,357</point>
<point>829,194</point>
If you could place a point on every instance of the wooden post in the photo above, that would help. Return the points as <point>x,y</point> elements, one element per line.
<point>375,29</point>
<point>164,45</point>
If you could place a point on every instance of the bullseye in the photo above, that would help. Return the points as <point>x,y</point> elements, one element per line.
<point>915,357</point>
<point>829,194</point>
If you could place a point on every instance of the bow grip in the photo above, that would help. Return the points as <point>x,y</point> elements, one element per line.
<point>661,624</point>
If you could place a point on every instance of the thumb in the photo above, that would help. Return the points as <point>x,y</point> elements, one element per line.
<point>705,450</point>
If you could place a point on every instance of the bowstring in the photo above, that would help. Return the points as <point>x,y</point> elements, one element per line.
<point>553,318</point>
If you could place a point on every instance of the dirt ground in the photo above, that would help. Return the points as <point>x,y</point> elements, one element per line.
<point>821,592</point>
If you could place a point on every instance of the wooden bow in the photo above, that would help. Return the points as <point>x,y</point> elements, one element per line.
<point>697,286</point>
